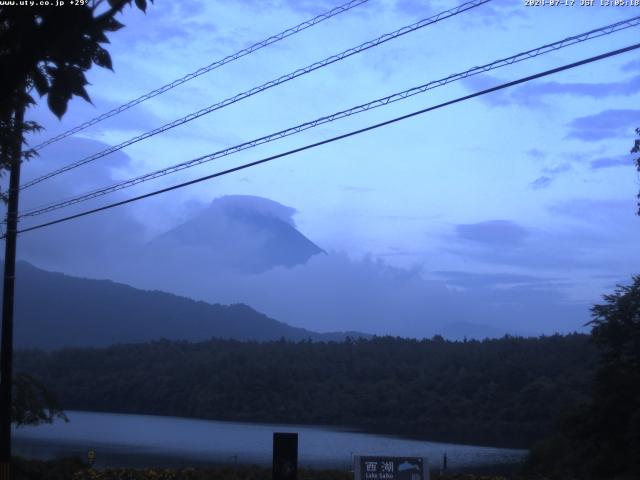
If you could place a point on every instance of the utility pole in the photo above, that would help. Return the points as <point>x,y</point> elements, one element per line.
<point>6,354</point>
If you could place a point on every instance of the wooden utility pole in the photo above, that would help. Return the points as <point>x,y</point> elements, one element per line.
<point>6,354</point>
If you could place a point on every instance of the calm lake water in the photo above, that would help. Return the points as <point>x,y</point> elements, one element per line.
<point>144,440</point>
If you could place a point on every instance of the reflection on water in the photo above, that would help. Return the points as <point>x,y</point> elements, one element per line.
<point>144,440</point>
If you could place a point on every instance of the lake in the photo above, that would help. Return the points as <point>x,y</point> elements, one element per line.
<point>144,440</point>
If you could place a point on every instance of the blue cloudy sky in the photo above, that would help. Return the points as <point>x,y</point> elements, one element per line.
<point>514,210</point>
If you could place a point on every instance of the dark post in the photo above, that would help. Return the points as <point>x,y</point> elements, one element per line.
<point>285,456</point>
<point>6,355</point>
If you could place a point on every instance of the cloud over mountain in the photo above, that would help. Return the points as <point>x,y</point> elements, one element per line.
<point>238,233</point>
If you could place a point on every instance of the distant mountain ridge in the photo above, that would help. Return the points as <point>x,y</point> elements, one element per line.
<point>55,310</point>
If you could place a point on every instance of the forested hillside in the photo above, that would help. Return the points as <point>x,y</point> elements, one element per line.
<point>499,392</point>
<point>54,310</point>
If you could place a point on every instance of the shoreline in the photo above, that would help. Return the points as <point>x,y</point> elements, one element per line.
<point>381,429</point>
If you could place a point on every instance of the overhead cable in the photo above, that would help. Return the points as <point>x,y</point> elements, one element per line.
<point>278,81</point>
<point>529,54</point>
<point>201,71</point>
<point>336,138</point>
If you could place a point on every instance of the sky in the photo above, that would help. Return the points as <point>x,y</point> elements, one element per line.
<point>514,211</point>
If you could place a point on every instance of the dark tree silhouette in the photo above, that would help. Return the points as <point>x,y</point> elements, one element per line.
<point>600,439</point>
<point>615,410</point>
<point>47,49</point>
<point>636,149</point>
<point>33,403</point>
<point>498,392</point>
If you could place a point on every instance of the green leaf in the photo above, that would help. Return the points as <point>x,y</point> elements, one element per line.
<point>142,5</point>
<point>71,80</point>
<point>40,82</point>
<point>102,58</point>
<point>85,55</point>
<point>112,25</point>
<point>31,126</point>
<point>100,37</point>
<point>32,402</point>
<point>81,92</point>
<point>57,102</point>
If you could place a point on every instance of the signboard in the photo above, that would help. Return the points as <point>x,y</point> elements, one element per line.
<point>390,468</point>
<point>285,456</point>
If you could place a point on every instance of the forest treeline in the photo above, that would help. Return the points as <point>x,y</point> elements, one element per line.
<point>504,392</point>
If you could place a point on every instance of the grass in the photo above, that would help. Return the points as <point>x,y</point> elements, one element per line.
<point>75,469</point>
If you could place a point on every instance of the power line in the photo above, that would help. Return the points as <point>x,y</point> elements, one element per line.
<point>283,79</point>
<point>635,21</point>
<point>201,71</point>
<point>339,137</point>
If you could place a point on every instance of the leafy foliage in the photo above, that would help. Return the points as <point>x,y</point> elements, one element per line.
<point>636,149</point>
<point>204,473</point>
<point>503,392</point>
<point>109,313</point>
<point>33,403</point>
<point>75,469</point>
<point>49,49</point>
<point>615,410</point>
<point>601,439</point>
<point>58,469</point>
